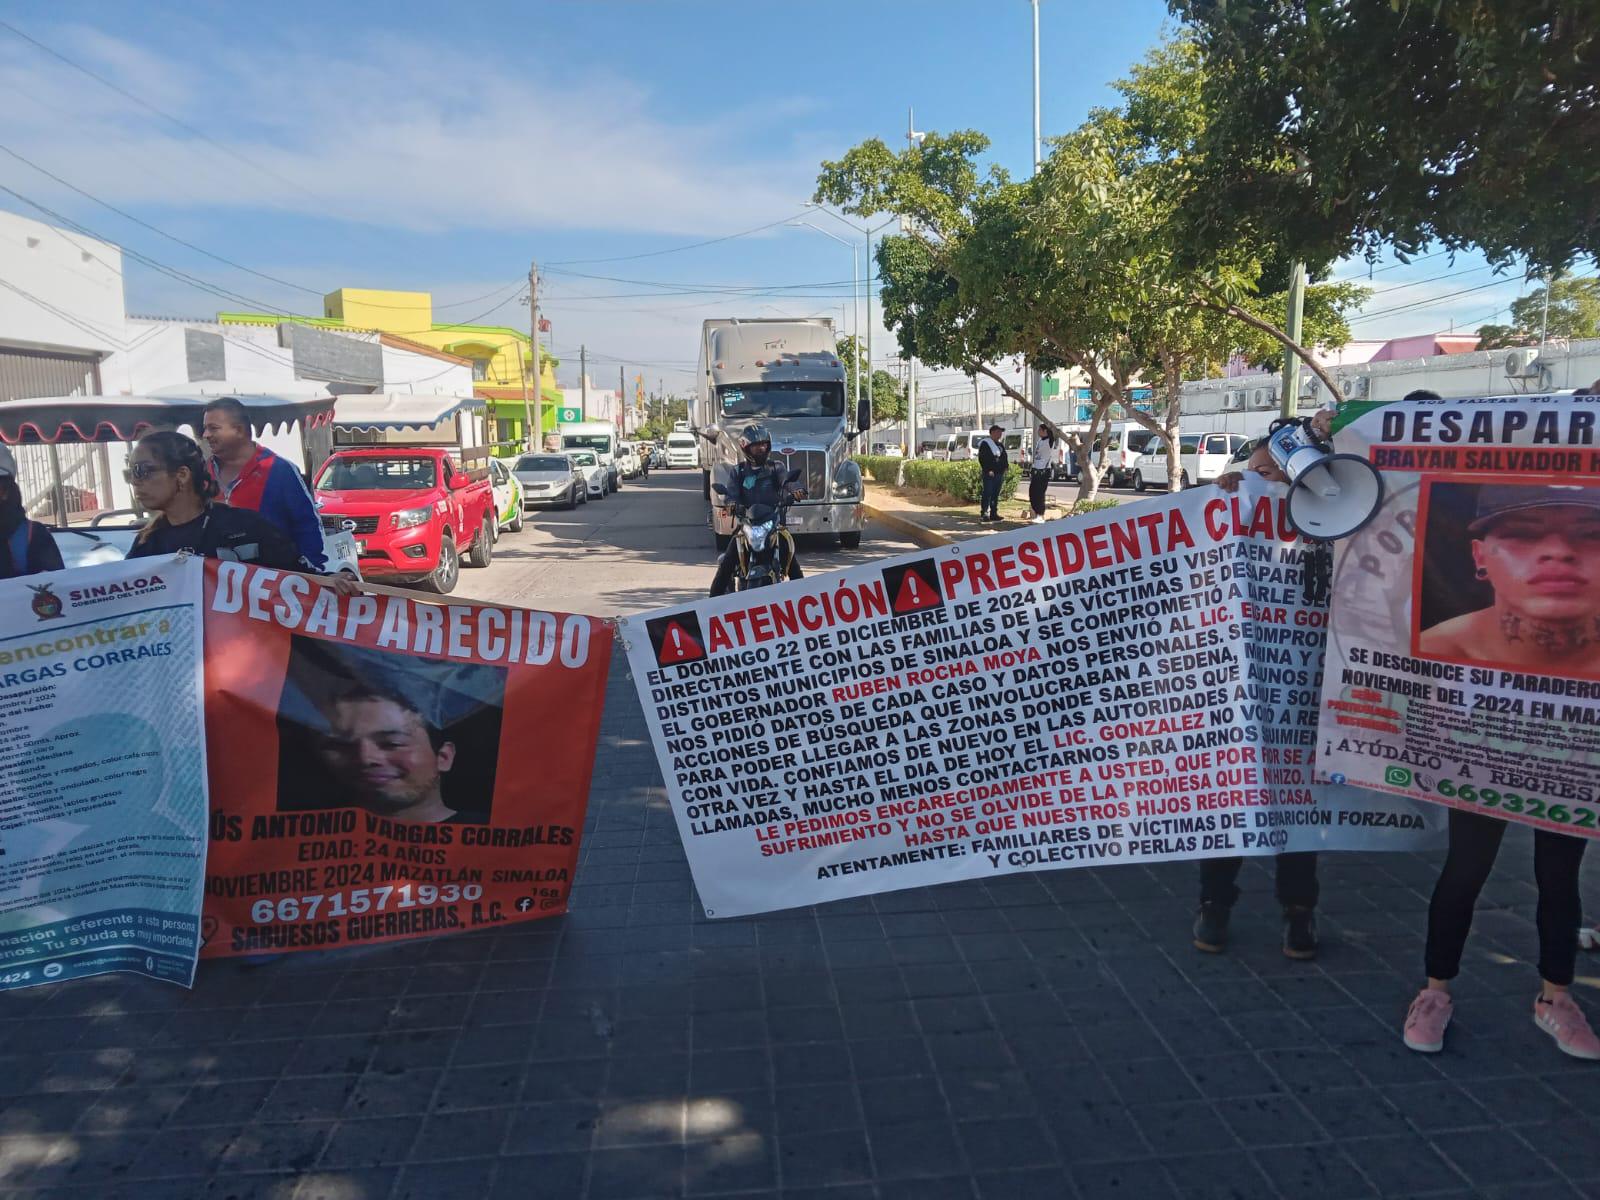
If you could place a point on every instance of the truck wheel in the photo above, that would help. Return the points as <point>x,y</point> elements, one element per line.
<point>442,579</point>
<point>722,541</point>
<point>705,485</point>
<point>849,541</point>
<point>482,550</point>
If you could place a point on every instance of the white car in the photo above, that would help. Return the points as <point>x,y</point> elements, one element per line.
<point>592,470</point>
<point>1203,456</point>
<point>628,460</point>
<point>90,545</point>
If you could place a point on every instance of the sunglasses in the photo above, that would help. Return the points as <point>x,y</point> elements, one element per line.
<point>139,472</point>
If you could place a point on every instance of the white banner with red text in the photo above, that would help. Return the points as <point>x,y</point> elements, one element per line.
<point>1134,685</point>
<point>1464,649</point>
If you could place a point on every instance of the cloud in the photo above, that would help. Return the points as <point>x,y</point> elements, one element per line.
<point>405,133</point>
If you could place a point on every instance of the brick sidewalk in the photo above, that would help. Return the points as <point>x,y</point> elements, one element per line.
<point>1049,1035</point>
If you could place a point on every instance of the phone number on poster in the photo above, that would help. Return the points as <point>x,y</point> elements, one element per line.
<point>1527,806</point>
<point>341,904</point>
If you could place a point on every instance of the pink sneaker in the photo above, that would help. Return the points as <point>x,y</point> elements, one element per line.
<point>1426,1019</point>
<point>1563,1020</point>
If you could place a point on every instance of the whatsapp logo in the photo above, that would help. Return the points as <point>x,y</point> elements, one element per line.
<point>1397,776</point>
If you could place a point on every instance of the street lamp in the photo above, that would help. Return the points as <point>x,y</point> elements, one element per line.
<point>855,301</point>
<point>867,232</point>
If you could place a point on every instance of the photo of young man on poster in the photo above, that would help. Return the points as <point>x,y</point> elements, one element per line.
<point>406,739</point>
<point>1511,577</point>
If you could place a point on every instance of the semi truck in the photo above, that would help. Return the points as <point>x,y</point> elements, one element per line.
<point>784,374</point>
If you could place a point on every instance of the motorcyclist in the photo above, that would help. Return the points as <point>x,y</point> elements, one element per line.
<point>754,481</point>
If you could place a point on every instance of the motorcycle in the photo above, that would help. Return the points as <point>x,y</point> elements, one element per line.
<point>765,548</point>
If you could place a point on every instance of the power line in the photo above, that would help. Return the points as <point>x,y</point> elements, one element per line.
<point>145,104</point>
<point>1384,312</point>
<point>565,262</point>
<point>705,287</point>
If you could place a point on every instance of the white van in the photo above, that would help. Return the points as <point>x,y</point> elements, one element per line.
<point>958,447</point>
<point>683,449</point>
<point>1204,456</point>
<point>1123,443</point>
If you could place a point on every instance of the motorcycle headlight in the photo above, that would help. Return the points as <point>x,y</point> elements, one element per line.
<point>411,517</point>
<point>758,535</point>
<point>847,480</point>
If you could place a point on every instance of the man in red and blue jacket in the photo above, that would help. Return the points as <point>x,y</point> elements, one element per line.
<point>254,477</point>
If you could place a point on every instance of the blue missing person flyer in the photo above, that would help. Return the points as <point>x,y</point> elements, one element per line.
<point>103,803</point>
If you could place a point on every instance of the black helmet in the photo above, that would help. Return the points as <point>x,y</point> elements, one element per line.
<point>756,443</point>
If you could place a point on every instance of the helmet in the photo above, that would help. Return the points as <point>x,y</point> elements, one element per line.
<point>8,463</point>
<point>756,443</point>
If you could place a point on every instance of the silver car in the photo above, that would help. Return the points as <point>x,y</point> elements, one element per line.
<point>550,481</point>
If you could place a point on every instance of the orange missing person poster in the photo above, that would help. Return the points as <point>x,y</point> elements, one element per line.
<point>384,768</point>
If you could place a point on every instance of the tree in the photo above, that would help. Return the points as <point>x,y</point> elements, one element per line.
<point>888,394</point>
<point>1342,124</point>
<point>1081,266</point>
<point>1574,313</point>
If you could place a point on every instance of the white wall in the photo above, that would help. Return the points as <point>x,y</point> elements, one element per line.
<point>406,370</point>
<point>1480,373</point>
<point>62,290</point>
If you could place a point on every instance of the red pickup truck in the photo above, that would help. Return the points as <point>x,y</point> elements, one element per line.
<point>415,511</point>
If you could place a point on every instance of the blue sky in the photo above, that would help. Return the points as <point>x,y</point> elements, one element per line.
<point>441,148</point>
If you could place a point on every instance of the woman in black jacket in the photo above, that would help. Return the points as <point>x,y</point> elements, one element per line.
<point>26,547</point>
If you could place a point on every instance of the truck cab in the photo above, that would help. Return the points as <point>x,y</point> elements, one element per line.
<point>415,511</point>
<point>785,375</point>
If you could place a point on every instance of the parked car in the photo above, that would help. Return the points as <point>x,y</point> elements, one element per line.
<point>1124,442</point>
<point>415,512</point>
<point>683,449</point>
<point>507,496</point>
<point>628,460</point>
<point>550,481</point>
<point>593,472</point>
<point>1203,456</point>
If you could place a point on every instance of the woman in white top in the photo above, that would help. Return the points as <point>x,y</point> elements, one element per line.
<point>1044,458</point>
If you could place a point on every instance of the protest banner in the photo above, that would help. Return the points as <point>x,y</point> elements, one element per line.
<point>1135,685</point>
<point>102,773</point>
<point>1464,652</point>
<point>385,768</point>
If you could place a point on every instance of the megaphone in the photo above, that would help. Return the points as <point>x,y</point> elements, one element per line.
<point>1331,495</point>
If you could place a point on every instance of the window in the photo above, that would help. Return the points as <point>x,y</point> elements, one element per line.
<point>371,474</point>
<point>782,400</point>
<point>1139,440</point>
<point>1217,443</point>
<point>480,369</point>
<point>1189,445</point>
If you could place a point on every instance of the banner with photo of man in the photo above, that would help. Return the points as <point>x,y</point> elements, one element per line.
<point>1464,653</point>
<point>383,767</point>
<point>1134,685</point>
<point>102,773</point>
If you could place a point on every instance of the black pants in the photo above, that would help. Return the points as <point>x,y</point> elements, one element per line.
<point>989,501</point>
<point>1297,880</point>
<point>1038,485</point>
<point>1474,843</point>
<point>730,561</point>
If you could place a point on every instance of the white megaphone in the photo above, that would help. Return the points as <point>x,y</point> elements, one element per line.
<point>1330,495</point>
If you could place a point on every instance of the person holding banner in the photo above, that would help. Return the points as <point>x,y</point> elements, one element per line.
<point>26,547</point>
<point>1296,887</point>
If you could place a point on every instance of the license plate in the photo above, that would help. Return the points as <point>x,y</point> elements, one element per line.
<point>361,546</point>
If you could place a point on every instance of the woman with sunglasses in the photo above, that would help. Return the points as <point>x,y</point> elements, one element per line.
<point>169,477</point>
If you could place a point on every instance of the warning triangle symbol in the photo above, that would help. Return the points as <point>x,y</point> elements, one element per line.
<point>678,645</point>
<point>915,594</point>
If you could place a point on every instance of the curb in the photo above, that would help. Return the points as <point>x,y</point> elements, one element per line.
<point>920,534</point>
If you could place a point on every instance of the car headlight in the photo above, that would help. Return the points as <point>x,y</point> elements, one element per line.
<point>411,517</point>
<point>847,480</point>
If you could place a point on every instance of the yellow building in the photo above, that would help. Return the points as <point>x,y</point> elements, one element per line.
<point>501,357</point>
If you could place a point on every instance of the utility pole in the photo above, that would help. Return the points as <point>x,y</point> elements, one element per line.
<point>977,404</point>
<point>1034,387</point>
<point>532,434</point>
<point>583,379</point>
<point>622,396</point>
<point>1289,402</point>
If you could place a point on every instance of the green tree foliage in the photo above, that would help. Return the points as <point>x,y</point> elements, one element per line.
<point>1574,313</point>
<point>1333,125</point>
<point>888,393</point>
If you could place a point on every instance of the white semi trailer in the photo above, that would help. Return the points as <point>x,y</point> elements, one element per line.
<point>784,374</point>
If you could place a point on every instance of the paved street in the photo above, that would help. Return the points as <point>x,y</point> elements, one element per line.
<point>1049,1035</point>
<point>644,547</point>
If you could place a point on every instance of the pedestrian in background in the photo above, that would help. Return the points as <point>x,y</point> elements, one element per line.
<point>253,477</point>
<point>1045,449</point>
<point>26,547</point>
<point>993,462</point>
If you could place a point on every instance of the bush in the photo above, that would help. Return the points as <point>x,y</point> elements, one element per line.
<point>962,480</point>
<point>883,468</point>
<point>1089,506</point>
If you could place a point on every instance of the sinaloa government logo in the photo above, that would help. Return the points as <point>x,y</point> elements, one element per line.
<point>46,604</point>
<point>1397,776</point>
